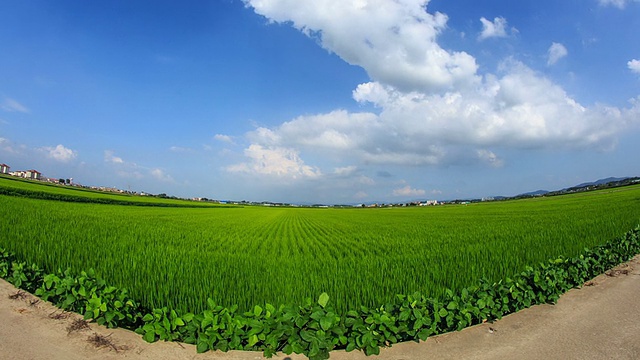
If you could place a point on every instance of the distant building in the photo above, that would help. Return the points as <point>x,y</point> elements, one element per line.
<point>4,169</point>
<point>33,174</point>
<point>27,174</point>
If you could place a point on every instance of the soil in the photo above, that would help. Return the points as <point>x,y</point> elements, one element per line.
<point>599,321</point>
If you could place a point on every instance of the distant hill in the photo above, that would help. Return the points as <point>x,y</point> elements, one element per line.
<point>599,182</point>
<point>535,193</point>
<point>610,181</point>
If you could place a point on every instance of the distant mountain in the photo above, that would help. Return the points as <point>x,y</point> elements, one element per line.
<point>535,193</point>
<point>578,187</point>
<point>599,182</point>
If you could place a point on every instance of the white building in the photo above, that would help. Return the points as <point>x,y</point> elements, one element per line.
<point>27,174</point>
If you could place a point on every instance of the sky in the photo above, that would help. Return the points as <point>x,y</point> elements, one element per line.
<point>323,101</point>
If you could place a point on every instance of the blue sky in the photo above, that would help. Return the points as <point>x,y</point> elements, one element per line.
<point>322,101</point>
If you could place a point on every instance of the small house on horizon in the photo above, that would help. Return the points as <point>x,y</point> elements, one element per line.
<point>27,174</point>
<point>4,169</point>
<point>33,174</point>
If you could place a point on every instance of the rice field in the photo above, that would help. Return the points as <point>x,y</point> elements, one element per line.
<point>179,257</point>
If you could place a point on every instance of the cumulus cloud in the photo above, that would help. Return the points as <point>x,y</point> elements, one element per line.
<point>408,191</point>
<point>556,52</point>
<point>495,28</point>
<point>60,153</point>
<point>11,105</point>
<point>394,41</point>
<point>432,108</point>
<point>274,161</point>
<point>634,66</point>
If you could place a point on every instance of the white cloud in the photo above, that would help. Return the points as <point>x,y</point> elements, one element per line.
<point>275,161</point>
<point>497,28</point>
<point>60,153</point>
<point>109,157</point>
<point>520,109</point>
<point>634,66</point>
<point>431,106</point>
<point>224,138</point>
<point>11,105</point>
<point>620,4</point>
<point>556,52</point>
<point>394,41</point>
<point>408,191</point>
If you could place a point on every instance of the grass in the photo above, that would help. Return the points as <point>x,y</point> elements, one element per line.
<point>181,256</point>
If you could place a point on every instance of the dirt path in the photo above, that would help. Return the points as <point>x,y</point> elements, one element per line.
<point>600,321</point>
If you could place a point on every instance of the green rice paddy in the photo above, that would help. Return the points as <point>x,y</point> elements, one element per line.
<point>179,257</point>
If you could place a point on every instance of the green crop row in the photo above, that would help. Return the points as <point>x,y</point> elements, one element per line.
<point>315,328</point>
<point>180,257</point>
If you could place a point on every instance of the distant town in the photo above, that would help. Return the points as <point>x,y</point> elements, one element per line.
<point>595,185</point>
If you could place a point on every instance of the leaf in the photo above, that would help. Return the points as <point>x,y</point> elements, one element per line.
<point>372,350</point>
<point>481,303</point>
<point>323,299</point>
<point>202,346</point>
<point>253,339</point>
<point>307,336</point>
<point>166,324</point>
<point>326,322</point>
<point>187,317</point>
<point>424,334</point>
<point>149,337</point>
<point>257,310</point>
<point>443,312</point>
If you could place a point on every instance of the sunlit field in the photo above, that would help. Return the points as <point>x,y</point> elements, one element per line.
<point>179,257</point>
